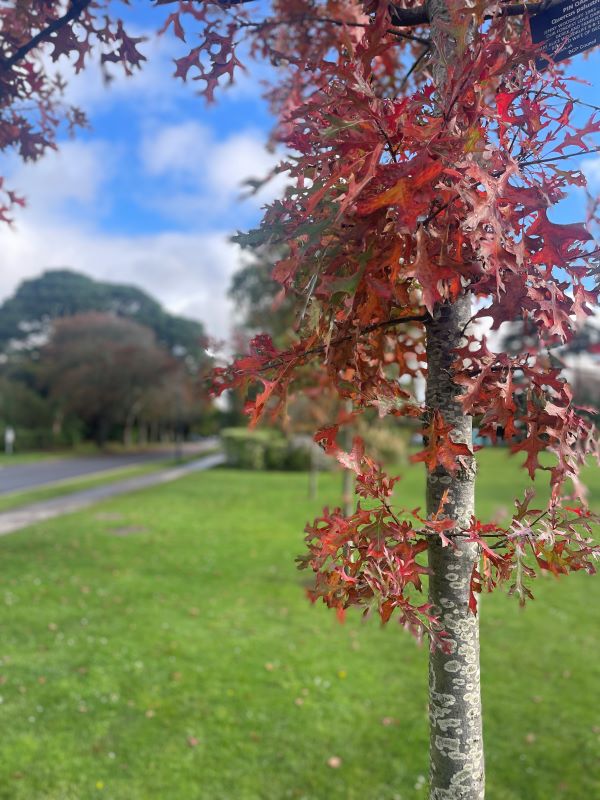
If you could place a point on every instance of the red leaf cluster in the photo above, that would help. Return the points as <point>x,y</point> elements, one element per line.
<point>31,104</point>
<point>403,199</point>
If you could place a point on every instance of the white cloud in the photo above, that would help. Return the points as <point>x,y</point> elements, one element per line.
<point>77,172</point>
<point>175,149</point>
<point>591,169</point>
<point>242,157</point>
<point>206,174</point>
<point>189,273</point>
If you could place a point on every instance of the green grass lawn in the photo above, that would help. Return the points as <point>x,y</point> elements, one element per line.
<point>160,646</point>
<point>31,457</point>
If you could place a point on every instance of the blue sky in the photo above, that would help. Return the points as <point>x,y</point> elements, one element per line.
<point>149,195</point>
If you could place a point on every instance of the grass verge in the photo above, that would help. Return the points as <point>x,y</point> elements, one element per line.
<point>160,646</point>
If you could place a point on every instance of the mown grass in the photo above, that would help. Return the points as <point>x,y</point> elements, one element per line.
<point>160,646</point>
<point>31,457</point>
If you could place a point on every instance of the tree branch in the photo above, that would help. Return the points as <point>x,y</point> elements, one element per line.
<point>274,23</point>
<point>75,10</point>
<point>411,17</point>
<point>414,66</point>
<point>406,17</point>
<point>321,348</point>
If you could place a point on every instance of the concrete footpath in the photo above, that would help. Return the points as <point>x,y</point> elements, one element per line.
<point>47,509</point>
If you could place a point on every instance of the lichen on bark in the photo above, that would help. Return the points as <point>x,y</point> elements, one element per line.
<point>456,744</point>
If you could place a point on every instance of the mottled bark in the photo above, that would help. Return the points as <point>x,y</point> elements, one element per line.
<point>456,745</point>
<point>456,742</point>
<point>348,492</point>
<point>347,475</point>
<point>313,473</point>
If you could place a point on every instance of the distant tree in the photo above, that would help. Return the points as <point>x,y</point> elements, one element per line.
<point>258,298</point>
<point>22,407</point>
<point>520,337</point>
<point>26,317</point>
<point>580,356</point>
<point>106,371</point>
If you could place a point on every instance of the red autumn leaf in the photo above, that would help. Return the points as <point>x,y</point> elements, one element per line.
<point>441,450</point>
<point>353,460</point>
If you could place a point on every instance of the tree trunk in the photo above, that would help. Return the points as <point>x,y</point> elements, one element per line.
<point>347,475</point>
<point>456,744</point>
<point>128,435</point>
<point>456,740</point>
<point>142,434</point>
<point>313,472</point>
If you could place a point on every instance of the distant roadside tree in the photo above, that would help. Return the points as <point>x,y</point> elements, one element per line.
<point>109,372</point>
<point>257,297</point>
<point>27,411</point>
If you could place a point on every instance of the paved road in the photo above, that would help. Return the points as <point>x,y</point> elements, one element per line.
<point>38,512</point>
<point>29,476</point>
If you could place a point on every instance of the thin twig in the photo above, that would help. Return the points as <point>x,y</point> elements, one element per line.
<point>559,158</point>
<point>438,210</point>
<point>566,98</point>
<point>312,351</point>
<point>414,66</point>
<point>390,146</point>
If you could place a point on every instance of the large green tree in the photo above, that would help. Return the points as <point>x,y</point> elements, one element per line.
<point>27,316</point>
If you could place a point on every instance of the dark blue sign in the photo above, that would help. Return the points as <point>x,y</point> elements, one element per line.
<point>567,27</point>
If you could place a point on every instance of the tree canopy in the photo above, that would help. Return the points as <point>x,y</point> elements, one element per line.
<point>65,293</point>
<point>106,370</point>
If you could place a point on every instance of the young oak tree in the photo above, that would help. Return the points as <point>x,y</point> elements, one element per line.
<point>426,151</point>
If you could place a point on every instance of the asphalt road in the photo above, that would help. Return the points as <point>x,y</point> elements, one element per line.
<point>39,512</point>
<point>29,476</point>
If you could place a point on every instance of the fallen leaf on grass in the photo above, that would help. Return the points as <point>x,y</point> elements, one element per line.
<point>127,530</point>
